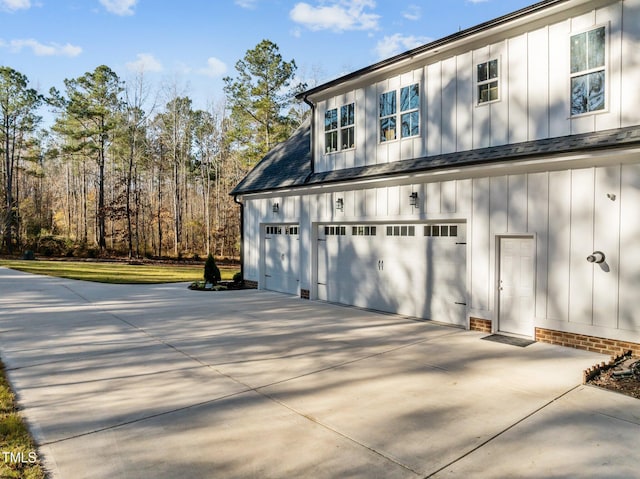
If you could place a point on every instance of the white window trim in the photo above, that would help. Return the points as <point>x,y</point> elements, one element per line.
<point>399,112</point>
<point>339,128</point>
<point>477,83</point>
<point>605,68</point>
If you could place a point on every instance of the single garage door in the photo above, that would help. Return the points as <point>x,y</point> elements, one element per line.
<point>412,269</point>
<point>281,258</point>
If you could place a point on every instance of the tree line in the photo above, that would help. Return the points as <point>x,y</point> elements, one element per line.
<point>122,172</point>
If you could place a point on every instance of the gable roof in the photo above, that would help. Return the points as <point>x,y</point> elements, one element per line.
<point>289,164</point>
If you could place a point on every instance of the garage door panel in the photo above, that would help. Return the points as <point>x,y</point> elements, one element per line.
<point>281,258</point>
<point>416,270</point>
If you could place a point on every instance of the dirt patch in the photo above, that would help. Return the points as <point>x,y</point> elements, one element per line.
<point>610,377</point>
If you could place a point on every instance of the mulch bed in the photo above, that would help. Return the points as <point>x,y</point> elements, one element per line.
<point>603,377</point>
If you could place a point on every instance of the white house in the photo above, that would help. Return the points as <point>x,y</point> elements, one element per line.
<point>489,180</point>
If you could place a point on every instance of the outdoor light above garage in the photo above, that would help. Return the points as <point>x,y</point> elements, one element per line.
<point>276,208</point>
<point>340,204</point>
<point>413,199</point>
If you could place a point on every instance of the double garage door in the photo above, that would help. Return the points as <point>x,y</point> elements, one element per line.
<point>416,270</point>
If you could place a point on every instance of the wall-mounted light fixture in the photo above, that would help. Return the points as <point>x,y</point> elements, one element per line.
<point>413,199</point>
<point>340,204</point>
<point>275,208</point>
<point>596,257</point>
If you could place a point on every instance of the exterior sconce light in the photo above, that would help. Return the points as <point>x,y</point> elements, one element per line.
<point>413,199</point>
<point>340,204</point>
<point>276,208</point>
<point>596,257</point>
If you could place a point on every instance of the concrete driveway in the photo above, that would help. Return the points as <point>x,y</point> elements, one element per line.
<point>163,382</point>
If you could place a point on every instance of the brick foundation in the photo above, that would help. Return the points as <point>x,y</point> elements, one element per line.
<point>304,293</point>
<point>482,325</point>
<point>250,284</point>
<point>588,343</point>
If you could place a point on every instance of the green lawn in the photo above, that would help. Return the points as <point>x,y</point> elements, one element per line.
<point>120,273</point>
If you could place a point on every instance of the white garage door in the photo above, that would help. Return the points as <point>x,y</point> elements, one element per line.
<point>281,257</point>
<point>413,269</point>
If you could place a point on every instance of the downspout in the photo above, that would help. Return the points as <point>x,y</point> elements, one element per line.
<point>311,134</point>
<point>235,200</point>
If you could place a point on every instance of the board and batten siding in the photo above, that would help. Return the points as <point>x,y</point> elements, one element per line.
<point>569,213</point>
<point>534,93</point>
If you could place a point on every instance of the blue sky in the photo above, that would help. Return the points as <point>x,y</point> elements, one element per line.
<point>193,44</point>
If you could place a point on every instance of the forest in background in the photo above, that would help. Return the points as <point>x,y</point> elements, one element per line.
<point>124,170</point>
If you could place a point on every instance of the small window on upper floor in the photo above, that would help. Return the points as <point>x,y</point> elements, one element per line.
<point>588,71</point>
<point>410,108</point>
<point>388,116</point>
<point>488,78</point>
<point>342,137</point>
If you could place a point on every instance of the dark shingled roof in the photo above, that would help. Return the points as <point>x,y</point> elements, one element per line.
<point>286,165</point>
<point>289,164</point>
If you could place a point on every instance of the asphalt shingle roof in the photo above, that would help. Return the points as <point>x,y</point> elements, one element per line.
<point>289,163</point>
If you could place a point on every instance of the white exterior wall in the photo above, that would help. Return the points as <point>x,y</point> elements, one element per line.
<point>534,93</point>
<point>569,213</point>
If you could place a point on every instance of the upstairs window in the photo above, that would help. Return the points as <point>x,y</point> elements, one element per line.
<point>343,137</point>
<point>488,77</point>
<point>347,126</point>
<point>409,113</point>
<point>388,116</point>
<point>410,108</point>
<point>331,130</point>
<point>588,71</point>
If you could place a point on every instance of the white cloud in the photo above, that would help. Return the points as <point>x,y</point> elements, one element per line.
<point>119,7</point>
<point>338,15</point>
<point>215,68</point>
<point>145,62</point>
<point>13,5</point>
<point>249,4</point>
<point>394,44</point>
<point>42,50</point>
<point>413,12</point>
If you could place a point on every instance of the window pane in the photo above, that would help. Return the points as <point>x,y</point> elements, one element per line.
<point>347,115</point>
<point>596,91</point>
<point>493,69</point>
<point>396,231</point>
<point>578,52</point>
<point>389,230</point>
<point>596,48</point>
<point>388,129</point>
<point>579,95</point>
<point>410,97</point>
<point>347,138</point>
<point>483,93</point>
<point>412,230</point>
<point>410,124</point>
<point>331,119</point>
<point>435,230</point>
<point>388,103</point>
<point>483,73</point>
<point>493,91</point>
<point>373,231</point>
<point>403,231</point>
<point>453,231</point>
<point>427,230</point>
<point>331,141</point>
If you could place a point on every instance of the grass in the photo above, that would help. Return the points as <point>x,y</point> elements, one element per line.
<point>117,273</point>
<point>18,452</point>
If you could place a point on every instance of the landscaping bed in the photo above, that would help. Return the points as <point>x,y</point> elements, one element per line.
<point>621,374</point>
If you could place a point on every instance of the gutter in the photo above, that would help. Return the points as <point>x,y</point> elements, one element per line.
<point>311,135</point>
<point>235,200</point>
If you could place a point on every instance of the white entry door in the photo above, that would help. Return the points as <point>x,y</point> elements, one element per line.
<point>515,286</point>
